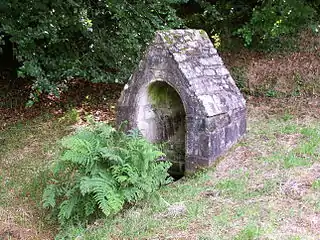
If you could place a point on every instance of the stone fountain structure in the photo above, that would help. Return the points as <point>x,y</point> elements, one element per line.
<point>183,96</point>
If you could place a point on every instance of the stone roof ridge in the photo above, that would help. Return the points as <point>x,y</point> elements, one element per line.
<point>189,42</point>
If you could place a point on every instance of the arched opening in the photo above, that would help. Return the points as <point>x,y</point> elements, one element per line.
<point>161,119</point>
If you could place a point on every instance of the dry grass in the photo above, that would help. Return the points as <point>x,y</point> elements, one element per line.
<point>252,193</point>
<point>28,139</point>
<point>26,149</point>
<point>295,72</point>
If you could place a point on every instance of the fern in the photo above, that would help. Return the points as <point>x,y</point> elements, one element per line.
<point>103,188</point>
<point>99,170</point>
<point>49,196</point>
<point>67,208</point>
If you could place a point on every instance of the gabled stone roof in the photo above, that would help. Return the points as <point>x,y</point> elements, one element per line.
<point>202,68</point>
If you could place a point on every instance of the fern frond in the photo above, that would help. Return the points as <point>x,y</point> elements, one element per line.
<point>110,154</point>
<point>103,187</point>
<point>67,207</point>
<point>49,196</point>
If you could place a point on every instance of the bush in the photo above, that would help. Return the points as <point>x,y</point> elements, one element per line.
<point>101,169</point>
<point>100,41</point>
<point>274,20</point>
<point>259,24</point>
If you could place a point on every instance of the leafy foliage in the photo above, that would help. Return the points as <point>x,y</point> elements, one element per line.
<point>257,24</point>
<point>100,170</point>
<point>275,19</point>
<point>100,41</point>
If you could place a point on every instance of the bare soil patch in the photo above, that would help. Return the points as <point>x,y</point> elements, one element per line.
<point>97,99</point>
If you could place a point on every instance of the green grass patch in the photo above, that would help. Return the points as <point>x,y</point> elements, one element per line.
<point>304,153</point>
<point>249,232</point>
<point>227,208</point>
<point>292,160</point>
<point>289,129</point>
<point>316,184</point>
<point>232,187</point>
<point>295,238</point>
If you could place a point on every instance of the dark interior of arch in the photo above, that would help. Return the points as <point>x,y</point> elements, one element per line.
<point>170,120</point>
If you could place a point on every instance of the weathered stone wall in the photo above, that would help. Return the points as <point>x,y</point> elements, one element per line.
<point>214,106</point>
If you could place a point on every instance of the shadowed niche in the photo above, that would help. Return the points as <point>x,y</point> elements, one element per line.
<point>169,118</point>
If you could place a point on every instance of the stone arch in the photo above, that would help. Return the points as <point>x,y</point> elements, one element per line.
<point>161,118</point>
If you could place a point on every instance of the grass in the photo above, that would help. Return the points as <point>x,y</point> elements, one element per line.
<point>249,232</point>
<point>266,187</point>
<point>316,184</point>
<point>27,149</point>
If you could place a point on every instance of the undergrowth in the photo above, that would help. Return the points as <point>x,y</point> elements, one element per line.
<point>99,171</point>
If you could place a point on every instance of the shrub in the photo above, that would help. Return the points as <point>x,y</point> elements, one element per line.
<point>101,169</point>
<point>274,20</point>
<point>100,41</point>
<point>268,25</point>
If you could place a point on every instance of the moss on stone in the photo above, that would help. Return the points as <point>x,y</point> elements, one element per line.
<point>168,39</point>
<point>162,95</point>
<point>202,33</point>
